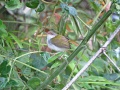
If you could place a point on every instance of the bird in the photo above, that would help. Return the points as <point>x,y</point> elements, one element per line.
<point>57,42</point>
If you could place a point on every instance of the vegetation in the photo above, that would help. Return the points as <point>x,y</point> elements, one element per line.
<point>26,63</point>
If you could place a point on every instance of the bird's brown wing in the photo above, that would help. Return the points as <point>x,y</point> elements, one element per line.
<point>60,41</point>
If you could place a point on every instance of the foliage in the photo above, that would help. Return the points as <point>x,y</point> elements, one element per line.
<point>26,63</point>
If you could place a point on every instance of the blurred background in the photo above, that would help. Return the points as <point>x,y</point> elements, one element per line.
<point>25,59</point>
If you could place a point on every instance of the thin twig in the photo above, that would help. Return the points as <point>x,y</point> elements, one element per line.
<point>111,61</point>
<point>92,59</point>
<point>89,27</point>
<point>20,22</point>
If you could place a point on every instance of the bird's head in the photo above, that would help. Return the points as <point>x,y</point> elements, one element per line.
<point>50,33</point>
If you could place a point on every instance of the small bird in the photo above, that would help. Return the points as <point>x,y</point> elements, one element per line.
<point>57,42</point>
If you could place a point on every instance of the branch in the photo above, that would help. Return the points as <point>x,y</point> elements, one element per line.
<point>92,59</point>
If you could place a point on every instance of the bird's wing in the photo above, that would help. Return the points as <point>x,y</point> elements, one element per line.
<point>60,41</point>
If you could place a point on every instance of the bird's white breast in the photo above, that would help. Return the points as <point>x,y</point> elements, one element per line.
<point>52,46</point>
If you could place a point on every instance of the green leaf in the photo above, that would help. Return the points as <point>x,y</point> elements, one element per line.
<point>24,59</point>
<point>52,58</point>
<point>3,82</point>
<point>4,68</point>
<point>62,24</point>
<point>95,5</point>
<point>66,1</point>
<point>112,77</point>
<point>3,32</point>
<point>34,82</point>
<point>92,78</point>
<point>98,66</point>
<point>118,61</point>
<point>16,40</point>
<point>71,10</point>
<point>13,4</point>
<point>72,36</point>
<point>12,83</point>
<point>96,80</point>
<point>1,59</point>
<point>117,6</point>
<point>15,83</point>
<point>2,26</point>
<point>38,60</point>
<point>46,56</point>
<point>40,8</point>
<point>32,4</point>
<point>58,86</point>
<point>118,1</point>
<point>70,68</point>
<point>27,71</point>
<point>56,64</point>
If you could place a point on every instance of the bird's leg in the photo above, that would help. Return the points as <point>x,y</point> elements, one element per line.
<point>65,57</point>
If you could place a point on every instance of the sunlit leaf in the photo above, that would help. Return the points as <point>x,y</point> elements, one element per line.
<point>3,32</point>
<point>16,40</point>
<point>52,58</point>
<point>56,64</point>
<point>40,8</point>
<point>32,3</point>
<point>13,4</point>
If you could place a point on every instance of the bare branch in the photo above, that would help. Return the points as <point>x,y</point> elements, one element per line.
<point>92,59</point>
